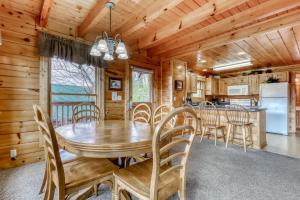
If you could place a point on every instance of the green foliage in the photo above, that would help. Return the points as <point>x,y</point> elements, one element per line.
<point>141,86</point>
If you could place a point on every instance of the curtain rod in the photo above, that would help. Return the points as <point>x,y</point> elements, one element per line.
<point>45,30</point>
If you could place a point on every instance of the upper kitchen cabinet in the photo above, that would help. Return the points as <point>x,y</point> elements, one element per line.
<point>281,76</point>
<point>191,82</point>
<point>223,86</point>
<point>253,84</point>
<point>212,87</point>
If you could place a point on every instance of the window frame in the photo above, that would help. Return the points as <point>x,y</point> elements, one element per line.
<point>144,70</point>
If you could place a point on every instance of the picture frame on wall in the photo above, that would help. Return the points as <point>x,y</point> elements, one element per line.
<point>115,84</point>
<point>178,85</point>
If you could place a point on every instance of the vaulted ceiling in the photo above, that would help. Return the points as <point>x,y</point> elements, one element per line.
<point>202,32</point>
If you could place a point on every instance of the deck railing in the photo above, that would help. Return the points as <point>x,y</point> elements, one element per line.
<point>62,112</point>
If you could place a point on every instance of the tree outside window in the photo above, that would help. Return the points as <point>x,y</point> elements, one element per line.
<point>141,86</point>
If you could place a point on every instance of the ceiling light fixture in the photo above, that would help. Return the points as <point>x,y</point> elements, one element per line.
<point>203,61</point>
<point>233,65</point>
<point>108,45</point>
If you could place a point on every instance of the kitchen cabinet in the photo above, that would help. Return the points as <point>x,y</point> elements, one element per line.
<point>253,84</point>
<point>282,76</point>
<point>191,82</point>
<point>223,86</point>
<point>264,77</point>
<point>212,86</point>
<point>241,80</point>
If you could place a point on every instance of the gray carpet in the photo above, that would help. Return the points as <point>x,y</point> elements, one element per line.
<point>215,173</point>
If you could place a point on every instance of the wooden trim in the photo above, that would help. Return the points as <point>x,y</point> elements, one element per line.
<point>46,7</point>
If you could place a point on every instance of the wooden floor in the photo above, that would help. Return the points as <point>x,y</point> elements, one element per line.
<point>285,145</point>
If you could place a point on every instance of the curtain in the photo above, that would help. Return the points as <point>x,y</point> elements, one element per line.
<point>70,50</point>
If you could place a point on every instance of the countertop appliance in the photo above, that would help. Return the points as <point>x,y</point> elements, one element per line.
<point>275,98</point>
<point>237,90</point>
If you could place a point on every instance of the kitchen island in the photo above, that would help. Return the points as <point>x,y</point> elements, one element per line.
<point>258,118</point>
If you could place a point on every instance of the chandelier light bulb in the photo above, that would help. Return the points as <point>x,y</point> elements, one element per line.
<point>121,49</point>
<point>102,46</point>
<point>123,56</point>
<point>108,57</point>
<point>108,44</point>
<point>95,51</point>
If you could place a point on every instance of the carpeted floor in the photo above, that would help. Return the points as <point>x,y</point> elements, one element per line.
<point>215,173</point>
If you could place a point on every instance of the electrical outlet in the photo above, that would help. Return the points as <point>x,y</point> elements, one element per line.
<point>13,154</point>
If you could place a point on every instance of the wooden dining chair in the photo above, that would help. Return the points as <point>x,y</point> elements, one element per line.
<point>239,116</point>
<point>210,121</point>
<point>141,113</point>
<point>71,177</point>
<point>155,178</point>
<point>160,113</point>
<point>86,112</point>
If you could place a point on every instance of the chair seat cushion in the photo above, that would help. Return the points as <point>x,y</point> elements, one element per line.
<point>138,178</point>
<point>82,171</point>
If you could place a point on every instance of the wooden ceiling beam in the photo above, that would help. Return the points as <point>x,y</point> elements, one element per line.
<point>246,17</point>
<point>202,13</point>
<point>278,22</point>
<point>44,15</point>
<point>93,17</point>
<point>146,16</point>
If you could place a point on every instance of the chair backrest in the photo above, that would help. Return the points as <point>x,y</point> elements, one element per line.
<point>167,140</point>
<point>237,114</point>
<point>86,112</point>
<point>160,113</point>
<point>53,160</point>
<point>209,114</point>
<point>141,113</point>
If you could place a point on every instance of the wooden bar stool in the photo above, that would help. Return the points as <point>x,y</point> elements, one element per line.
<point>188,119</point>
<point>238,116</point>
<point>210,121</point>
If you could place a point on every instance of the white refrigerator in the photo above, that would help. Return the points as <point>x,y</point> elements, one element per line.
<point>275,98</point>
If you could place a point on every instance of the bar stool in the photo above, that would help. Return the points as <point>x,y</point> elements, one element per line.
<point>188,118</point>
<point>238,116</point>
<point>210,120</point>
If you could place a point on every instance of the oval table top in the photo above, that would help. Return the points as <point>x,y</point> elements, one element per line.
<point>107,139</point>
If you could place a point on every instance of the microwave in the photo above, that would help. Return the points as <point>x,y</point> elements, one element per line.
<point>238,90</point>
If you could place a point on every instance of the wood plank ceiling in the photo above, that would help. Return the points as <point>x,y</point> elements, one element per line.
<point>216,31</point>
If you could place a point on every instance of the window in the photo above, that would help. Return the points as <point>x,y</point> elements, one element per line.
<point>71,84</point>
<point>141,85</point>
<point>200,89</point>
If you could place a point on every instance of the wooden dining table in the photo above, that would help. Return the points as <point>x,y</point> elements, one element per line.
<point>106,139</point>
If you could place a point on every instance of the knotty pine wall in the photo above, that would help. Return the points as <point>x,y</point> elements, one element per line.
<point>122,70</point>
<point>173,70</point>
<point>19,88</point>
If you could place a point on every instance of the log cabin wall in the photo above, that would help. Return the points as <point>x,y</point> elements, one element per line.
<point>20,83</point>
<point>19,89</point>
<point>171,71</point>
<point>119,109</point>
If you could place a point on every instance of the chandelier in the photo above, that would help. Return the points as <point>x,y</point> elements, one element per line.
<point>108,45</point>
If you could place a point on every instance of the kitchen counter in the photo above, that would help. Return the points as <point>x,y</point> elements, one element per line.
<point>250,109</point>
<point>258,118</point>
